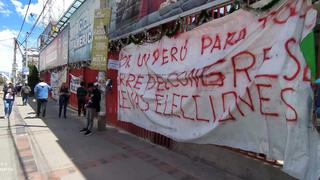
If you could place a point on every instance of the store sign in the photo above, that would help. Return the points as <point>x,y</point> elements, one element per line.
<point>81,31</point>
<point>100,39</point>
<point>238,81</point>
<point>62,46</point>
<point>51,53</point>
<point>56,53</point>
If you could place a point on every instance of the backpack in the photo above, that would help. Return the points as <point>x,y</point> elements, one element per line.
<point>26,90</point>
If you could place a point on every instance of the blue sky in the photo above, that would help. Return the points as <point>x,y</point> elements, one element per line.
<point>11,17</point>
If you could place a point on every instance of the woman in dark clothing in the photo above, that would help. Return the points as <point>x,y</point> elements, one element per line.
<point>63,99</point>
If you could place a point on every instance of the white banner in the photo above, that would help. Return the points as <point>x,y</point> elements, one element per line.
<point>57,78</point>
<point>238,81</point>
<point>74,83</point>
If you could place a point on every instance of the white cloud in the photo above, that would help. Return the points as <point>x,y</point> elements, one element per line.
<point>53,11</point>
<point>4,10</point>
<point>6,50</point>
<point>34,8</point>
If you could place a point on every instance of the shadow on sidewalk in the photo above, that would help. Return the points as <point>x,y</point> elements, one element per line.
<point>107,155</point>
<point>74,144</point>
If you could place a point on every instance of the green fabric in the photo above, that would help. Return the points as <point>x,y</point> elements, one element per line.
<point>308,50</point>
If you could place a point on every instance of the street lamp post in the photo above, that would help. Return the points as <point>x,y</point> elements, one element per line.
<point>14,64</point>
<point>25,68</point>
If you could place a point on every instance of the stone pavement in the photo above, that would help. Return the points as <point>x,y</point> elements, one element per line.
<point>53,148</point>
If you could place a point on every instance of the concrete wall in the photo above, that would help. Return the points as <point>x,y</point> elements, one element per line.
<point>233,162</point>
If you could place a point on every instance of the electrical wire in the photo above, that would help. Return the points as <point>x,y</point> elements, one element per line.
<point>34,25</point>
<point>24,19</point>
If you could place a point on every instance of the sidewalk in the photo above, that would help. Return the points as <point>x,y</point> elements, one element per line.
<point>53,148</point>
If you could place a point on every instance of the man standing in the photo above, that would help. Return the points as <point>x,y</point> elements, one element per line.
<point>63,99</point>
<point>81,96</point>
<point>25,91</point>
<point>41,91</point>
<point>8,98</point>
<point>93,107</point>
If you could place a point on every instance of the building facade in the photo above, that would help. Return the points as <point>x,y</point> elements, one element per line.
<point>187,76</point>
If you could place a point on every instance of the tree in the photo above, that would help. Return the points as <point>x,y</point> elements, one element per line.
<point>33,77</point>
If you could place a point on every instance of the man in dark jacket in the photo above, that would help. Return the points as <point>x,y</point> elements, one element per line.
<point>81,96</point>
<point>93,107</point>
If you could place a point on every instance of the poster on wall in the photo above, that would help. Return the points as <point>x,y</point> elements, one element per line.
<point>81,31</point>
<point>74,83</point>
<point>239,81</point>
<point>56,80</point>
<point>100,39</point>
<point>130,15</point>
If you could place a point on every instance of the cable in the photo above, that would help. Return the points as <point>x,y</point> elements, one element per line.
<point>24,19</point>
<point>44,7</point>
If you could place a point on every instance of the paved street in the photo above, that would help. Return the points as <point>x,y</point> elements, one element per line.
<point>53,148</point>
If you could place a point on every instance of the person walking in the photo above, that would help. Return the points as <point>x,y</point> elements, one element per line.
<point>63,99</point>
<point>41,91</point>
<point>93,107</point>
<point>81,96</point>
<point>8,98</point>
<point>18,89</point>
<point>25,92</point>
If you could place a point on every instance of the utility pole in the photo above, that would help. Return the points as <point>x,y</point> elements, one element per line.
<point>102,81</point>
<point>14,64</point>
<point>26,67</point>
